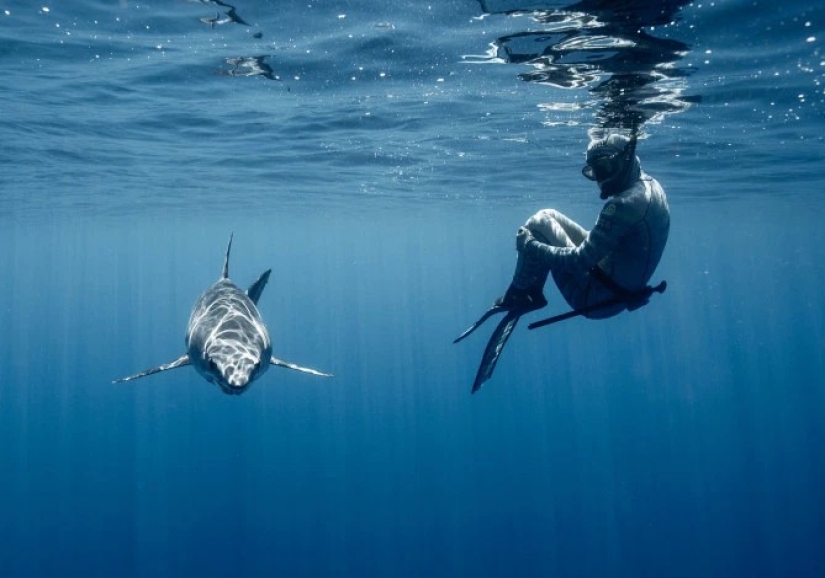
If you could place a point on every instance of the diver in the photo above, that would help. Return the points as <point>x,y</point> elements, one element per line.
<point>600,273</point>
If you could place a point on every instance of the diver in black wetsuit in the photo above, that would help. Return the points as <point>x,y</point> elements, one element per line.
<point>598,272</point>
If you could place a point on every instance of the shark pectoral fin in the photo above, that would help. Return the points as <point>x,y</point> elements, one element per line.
<point>255,290</point>
<point>280,362</point>
<point>179,362</point>
<point>494,348</point>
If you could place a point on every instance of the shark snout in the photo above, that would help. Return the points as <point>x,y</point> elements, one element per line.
<point>238,379</point>
<point>237,373</point>
<point>232,366</point>
<point>234,376</point>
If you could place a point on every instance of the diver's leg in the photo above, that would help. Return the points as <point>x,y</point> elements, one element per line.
<point>526,288</point>
<point>575,233</point>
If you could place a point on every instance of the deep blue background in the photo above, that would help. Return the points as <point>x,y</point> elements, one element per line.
<point>684,439</point>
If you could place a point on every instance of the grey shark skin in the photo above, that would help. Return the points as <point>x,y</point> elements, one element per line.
<point>226,339</point>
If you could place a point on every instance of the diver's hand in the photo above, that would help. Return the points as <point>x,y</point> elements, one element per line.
<point>523,237</point>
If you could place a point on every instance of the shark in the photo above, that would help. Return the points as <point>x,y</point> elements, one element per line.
<point>226,339</point>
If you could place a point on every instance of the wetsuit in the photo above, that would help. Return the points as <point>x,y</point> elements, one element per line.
<point>626,243</point>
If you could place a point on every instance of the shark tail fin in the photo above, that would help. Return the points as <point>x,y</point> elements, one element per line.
<point>179,362</point>
<point>225,274</point>
<point>257,287</point>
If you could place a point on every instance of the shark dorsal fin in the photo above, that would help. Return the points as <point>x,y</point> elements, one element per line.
<point>225,274</point>
<point>257,287</point>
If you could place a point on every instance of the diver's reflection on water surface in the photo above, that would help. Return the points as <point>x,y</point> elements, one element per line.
<point>630,74</point>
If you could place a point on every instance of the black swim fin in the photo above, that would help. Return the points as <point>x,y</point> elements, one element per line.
<point>494,346</point>
<point>487,314</point>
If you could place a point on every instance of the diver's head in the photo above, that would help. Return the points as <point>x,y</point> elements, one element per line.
<point>612,163</point>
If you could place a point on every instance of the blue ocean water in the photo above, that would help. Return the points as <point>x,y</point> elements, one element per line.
<point>379,157</point>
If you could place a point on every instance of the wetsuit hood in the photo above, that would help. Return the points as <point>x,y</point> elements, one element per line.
<point>613,164</point>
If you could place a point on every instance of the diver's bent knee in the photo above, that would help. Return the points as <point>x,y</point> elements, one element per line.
<point>542,218</point>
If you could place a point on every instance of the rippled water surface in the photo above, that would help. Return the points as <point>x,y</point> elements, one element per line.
<point>379,157</point>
